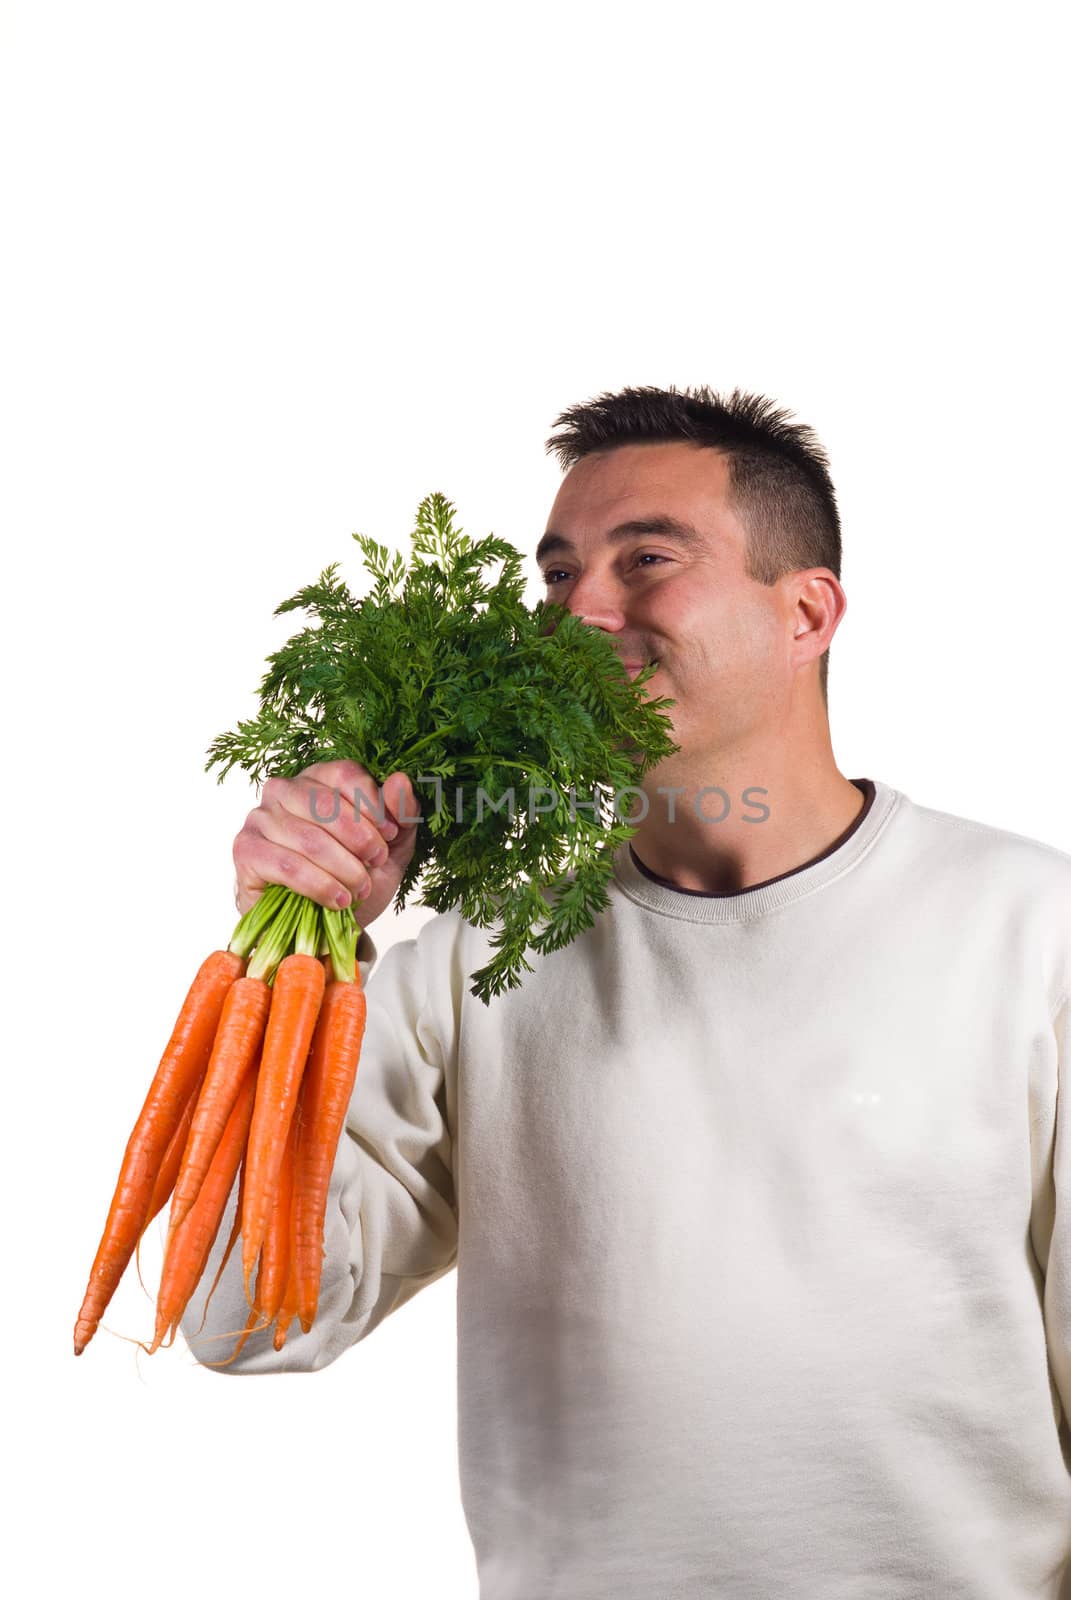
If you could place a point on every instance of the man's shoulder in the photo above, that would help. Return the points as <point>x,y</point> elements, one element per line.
<point>978,846</point>
<point>988,836</point>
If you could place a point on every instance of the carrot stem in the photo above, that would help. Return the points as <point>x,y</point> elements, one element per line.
<point>342,931</point>
<point>277,940</point>
<point>307,937</point>
<point>256,919</point>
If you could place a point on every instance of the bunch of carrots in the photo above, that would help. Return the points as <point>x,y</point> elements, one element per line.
<point>253,1084</point>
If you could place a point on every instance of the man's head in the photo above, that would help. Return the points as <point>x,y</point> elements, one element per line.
<point>737,594</point>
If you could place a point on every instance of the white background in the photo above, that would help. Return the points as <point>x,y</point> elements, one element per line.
<point>273,273</point>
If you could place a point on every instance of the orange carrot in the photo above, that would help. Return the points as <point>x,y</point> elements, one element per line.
<point>235,1230</point>
<point>275,1253</point>
<point>182,1064</point>
<point>189,1244</point>
<point>288,1309</point>
<point>238,1039</point>
<point>326,1092</point>
<point>295,1005</point>
<point>165,1178</point>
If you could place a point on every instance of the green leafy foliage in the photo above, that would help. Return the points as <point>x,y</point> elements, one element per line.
<point>447,676</point>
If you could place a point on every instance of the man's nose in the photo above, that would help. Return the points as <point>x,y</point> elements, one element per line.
<point>596,601</point>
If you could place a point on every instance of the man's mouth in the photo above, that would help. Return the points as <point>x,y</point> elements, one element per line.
<point>634,668</point>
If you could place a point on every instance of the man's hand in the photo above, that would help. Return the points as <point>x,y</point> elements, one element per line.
<point>294,838</point>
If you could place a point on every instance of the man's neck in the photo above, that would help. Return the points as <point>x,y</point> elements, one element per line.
<point>740,820</point>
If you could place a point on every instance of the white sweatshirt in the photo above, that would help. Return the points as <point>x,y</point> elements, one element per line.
<point>760,1205</point>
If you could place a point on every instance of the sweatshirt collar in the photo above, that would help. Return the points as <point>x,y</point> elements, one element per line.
<point>746,905</point>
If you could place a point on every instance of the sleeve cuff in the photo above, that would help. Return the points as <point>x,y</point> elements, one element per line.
<point>367,953</point>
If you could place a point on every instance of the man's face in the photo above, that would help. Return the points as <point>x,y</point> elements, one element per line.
<point>721,639</point>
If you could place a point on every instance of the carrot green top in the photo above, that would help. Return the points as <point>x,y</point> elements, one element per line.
<point>516,726</point>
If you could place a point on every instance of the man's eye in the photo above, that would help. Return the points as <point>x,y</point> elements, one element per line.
<point>557,574</point>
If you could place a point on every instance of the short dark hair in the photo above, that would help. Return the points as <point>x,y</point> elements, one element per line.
<point>779,479</point>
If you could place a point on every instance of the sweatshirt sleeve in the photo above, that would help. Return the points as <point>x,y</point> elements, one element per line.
<point>1058,1267</point>
<point>391,1221</point>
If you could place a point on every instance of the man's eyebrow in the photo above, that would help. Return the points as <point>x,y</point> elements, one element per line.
<point>683,533</point>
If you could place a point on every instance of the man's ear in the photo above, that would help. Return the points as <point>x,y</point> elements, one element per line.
<point>819,608</point>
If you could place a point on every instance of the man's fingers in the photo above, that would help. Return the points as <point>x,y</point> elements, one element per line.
<point>400,798</point>
<point>336,793</point>
<point>339,774</point>
<point>318,845</point>
<point>330,834</point>
<point>330,809</point>
<point>340,787</point>
<point>354,784</point>
<point>301,856</point>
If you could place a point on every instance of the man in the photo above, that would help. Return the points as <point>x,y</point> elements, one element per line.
<point>761,1192</point>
